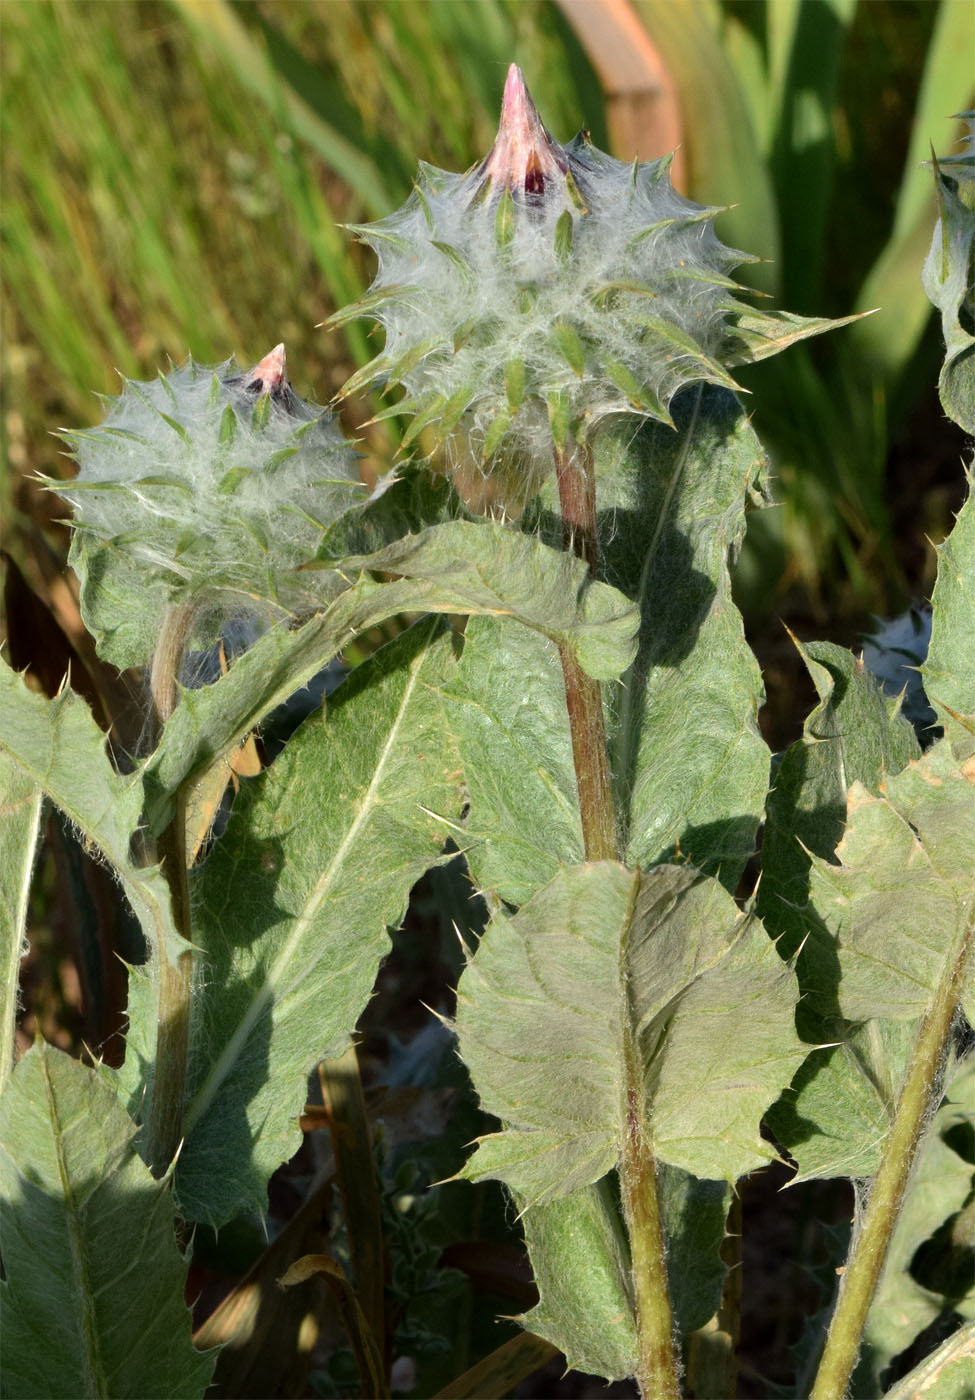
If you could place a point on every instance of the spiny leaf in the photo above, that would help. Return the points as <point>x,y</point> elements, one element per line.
<point>691,768</point>
<point>939,1193</point>
<point>505,704</point>
<point>949,281</point>
<point>454,568</point>
<point>320,853</point>
<point>949,671</point>
<point>641,396</point>
<point>489,568</point>
<point>602,957</point>
<point>88,1246</point>
<point>764,333</point>
<point>901,903</point>
<point>60,747</point>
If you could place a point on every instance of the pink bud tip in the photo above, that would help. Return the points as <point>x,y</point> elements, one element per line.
<point>270,374</point>
<point>523,156</point>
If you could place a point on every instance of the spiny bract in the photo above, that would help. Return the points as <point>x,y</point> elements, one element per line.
<point>545,289</point>
<point>213,485</point>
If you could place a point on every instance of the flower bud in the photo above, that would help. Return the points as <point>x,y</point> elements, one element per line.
<point>207,485</point>
<point>546,289</point>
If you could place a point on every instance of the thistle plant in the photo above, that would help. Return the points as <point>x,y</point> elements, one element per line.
<point>641,1035</point>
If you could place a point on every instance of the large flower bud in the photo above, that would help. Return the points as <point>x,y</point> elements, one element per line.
<point>549,287</point>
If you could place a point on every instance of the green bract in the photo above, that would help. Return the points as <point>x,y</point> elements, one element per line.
<point>207,485</point>
<point>546,289</point>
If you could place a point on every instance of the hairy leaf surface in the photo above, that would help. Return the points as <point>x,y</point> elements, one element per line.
<point>93,1299</point>
<point>834,1117</point>
<point>293,907</point>
<point>690,765</point>
<point>838,1110</point>
<point>581,1262</point>
<point>505,574</point>
<point>602,958</point>
<point>60,747</point>
<point>505,704</point>
<point>901,905</point>
<point>490,568</point>
<point>949,671</point>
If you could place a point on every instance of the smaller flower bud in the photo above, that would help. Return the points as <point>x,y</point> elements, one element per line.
<point>205,485</point>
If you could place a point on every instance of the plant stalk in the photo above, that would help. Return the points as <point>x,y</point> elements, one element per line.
<point>657,1365</point>
<point>174,979</point>
<point>577,495</point>
<point>862,1274</point>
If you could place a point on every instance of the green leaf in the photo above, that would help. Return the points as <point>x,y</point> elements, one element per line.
<point>93,1302</point>
<point>505,704</point>
<point>852,735</point>
<point>58,745</point>
<point>690,765</point>
<point>292,908</point>
<point>455,568</point>
<point>728,165</point>
<point>901,904</point>
<point>581,1262</point>
<point>949,671</point>
<point>694,1214</point>
<point>763,333</point>
<point>949,281</point>
<point>928,1270</point>
<point>838,1110</point>
<point>945,1374</point>
<point>802,152</point>
<point>20,816</point>
<point>835,1116</point>
<point>567,339</point>
<point>118,606</point>
<point>489,568</point>
<point>602,957</point>
<point>413,501</point>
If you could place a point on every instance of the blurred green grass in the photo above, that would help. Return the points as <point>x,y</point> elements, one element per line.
<point>174,175</point>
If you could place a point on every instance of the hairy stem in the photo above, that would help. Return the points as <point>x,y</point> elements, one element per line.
<point>577,495</point>
<point>174,979</point>
<point>657,1363</point>
<point>866,1261</point>
<point>657,1366</point>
